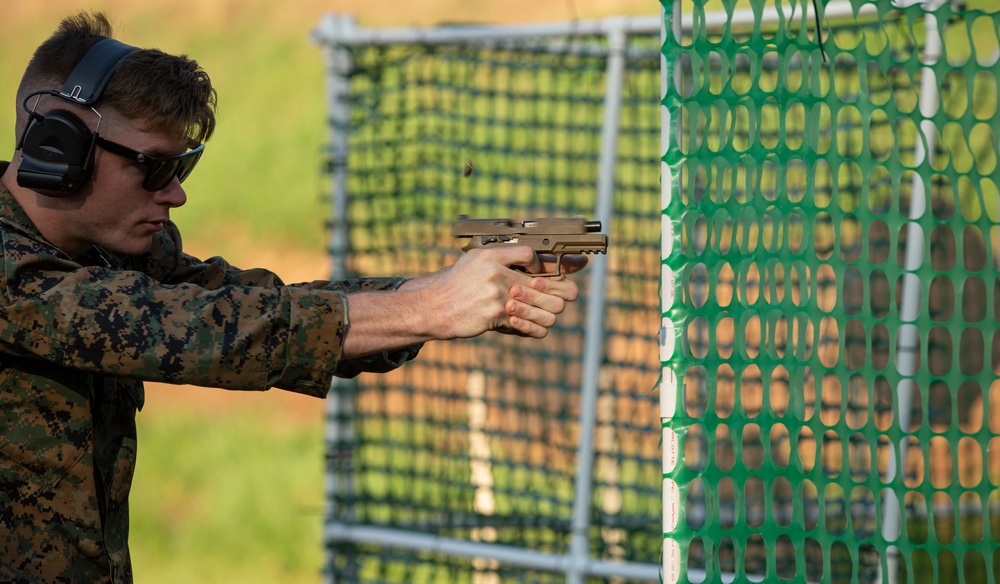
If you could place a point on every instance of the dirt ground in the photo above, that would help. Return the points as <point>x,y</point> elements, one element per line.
<point>284,405</point>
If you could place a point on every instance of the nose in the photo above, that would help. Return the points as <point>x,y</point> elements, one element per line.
<point>172,195</point>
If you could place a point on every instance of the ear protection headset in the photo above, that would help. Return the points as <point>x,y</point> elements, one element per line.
<point>57,148</point>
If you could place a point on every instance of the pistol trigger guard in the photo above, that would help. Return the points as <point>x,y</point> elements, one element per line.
<point>558,271</point>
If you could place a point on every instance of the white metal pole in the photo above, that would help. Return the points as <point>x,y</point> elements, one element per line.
<point>909,307</point>
<point>593,353</point>
<point>517,33</point>
<point>671,557</point>
<point>340,401</point>
<point>492,34</point>
<point>509,555</point>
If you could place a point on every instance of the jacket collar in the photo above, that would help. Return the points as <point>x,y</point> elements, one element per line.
<point>13,216</point>
<point>12,213</point>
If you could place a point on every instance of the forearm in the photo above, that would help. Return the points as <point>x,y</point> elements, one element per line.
<point>387,321</point>
<point>480,293</point>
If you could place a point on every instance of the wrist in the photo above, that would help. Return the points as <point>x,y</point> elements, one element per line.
<point>390,320</point>
<point>419,283</point>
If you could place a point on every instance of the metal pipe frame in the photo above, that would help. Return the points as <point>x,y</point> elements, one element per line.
<point>399,538</point>
<point>340,400</point>
<point>593,354</point>
<point>337,32</point>
<point>516,34</point>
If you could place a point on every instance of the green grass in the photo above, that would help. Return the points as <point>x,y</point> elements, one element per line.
<point>233,496</point>
<point>261,170</point>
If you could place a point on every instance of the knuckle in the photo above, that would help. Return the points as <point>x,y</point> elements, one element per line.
<point>496,294</point>
<point>519,323</point>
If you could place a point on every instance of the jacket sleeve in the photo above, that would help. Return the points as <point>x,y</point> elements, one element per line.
<point>129,324</point>
<point>168,263</point>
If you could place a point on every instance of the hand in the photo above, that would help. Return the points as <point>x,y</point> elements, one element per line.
<point>481,292</point>
<point>533,310</point>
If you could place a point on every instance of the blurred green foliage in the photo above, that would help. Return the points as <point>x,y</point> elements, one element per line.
<point>261,170</point>
<point>234,496</point>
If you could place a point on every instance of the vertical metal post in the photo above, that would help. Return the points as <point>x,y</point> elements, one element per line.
<point>671,557</point>
<point>338,65</point>
<point>593,352</point>
<point>908,341</point>
<point>340,402</point>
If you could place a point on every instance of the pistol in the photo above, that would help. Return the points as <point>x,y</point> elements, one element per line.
<point>557,236</point>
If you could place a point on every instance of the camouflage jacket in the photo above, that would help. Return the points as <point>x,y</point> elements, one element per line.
<point>78,336</point>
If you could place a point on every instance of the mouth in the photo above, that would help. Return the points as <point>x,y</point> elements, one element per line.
<point>155,225</point>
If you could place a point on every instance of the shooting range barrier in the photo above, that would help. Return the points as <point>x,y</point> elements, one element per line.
<point>824,298</point>
<point>830,399</point>
<point>499,459</point>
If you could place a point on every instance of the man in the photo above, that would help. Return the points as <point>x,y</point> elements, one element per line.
<point>98,297</point>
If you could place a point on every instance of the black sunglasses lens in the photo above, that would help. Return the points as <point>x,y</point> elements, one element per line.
<point>187,165</point>
<point>160,173</point>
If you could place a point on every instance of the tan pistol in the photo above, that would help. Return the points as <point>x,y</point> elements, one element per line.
<point>556,236</point>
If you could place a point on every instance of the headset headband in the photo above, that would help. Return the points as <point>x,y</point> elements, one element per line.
<point>87,81</point>
<point>57,149</point>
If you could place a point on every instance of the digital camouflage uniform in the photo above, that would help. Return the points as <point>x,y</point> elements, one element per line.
<point>77,339</point>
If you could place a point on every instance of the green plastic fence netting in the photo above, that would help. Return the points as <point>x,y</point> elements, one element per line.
<point>477,440</point>
<point>831,273</point>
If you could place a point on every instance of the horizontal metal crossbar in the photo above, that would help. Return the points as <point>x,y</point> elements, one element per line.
<point>414,540</point>
<point>339,29</point>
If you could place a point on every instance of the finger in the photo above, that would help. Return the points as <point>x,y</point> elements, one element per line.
<point>531,264</point>
<point>534,314</point>
<point>574,263</point>
<point>560,286</point>
<point>567,263</point>
<point>518,255</point>
<point>527,328</point>
<point>553,303</point>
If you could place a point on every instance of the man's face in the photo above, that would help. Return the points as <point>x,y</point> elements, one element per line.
<point>113,210</point>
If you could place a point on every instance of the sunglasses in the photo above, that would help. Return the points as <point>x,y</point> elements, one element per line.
<point>160,170</point>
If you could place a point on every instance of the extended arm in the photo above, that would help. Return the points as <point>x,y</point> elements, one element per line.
<point>467,299</point>
<point>478,294</point>
<point>129,324</point>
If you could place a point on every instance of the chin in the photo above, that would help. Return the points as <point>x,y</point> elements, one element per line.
<point>130,248</point>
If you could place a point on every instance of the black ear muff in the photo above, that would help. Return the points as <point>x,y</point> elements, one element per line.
<point>56,154</point>
<point>57,148</point>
